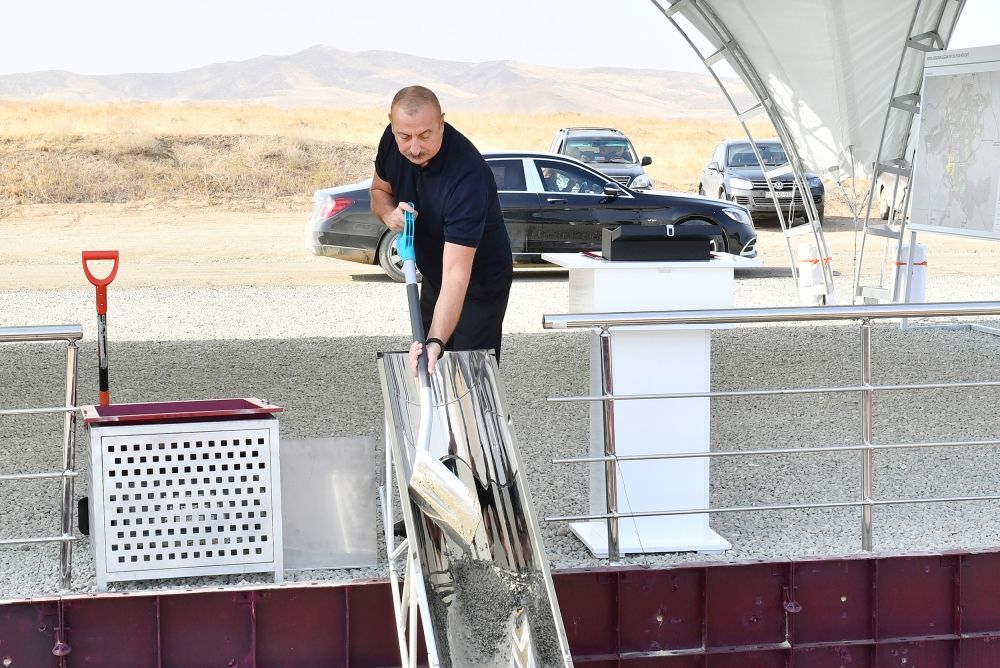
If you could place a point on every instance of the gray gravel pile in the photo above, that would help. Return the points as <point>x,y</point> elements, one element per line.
<point>312,350</point>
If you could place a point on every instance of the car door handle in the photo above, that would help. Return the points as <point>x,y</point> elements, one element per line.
<point>555,200</point>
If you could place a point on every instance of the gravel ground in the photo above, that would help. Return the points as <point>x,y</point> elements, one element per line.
<point>312,350</point>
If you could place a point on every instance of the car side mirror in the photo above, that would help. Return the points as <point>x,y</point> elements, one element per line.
<point>646,160</point>
<point>714,166</point>
<point>612,189</point>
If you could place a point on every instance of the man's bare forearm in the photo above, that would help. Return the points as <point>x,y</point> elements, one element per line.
<point>383,204</point>
<point>455,275</point>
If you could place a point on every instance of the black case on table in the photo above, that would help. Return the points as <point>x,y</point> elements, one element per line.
<point>651,243</point>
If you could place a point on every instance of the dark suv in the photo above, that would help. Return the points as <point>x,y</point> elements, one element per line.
<point>607,150</point>
<point>733,174</point>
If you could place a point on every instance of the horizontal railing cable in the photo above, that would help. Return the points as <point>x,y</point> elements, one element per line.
<point>40,334</point>
<point>38,476</point>
<point>771,451</point>
<point>38,541</point>
<point>771,315</point>
<point>38,411</point>
<point>781,392</point>
<point>790,506</point>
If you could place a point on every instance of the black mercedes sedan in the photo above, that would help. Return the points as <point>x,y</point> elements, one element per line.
<point>551,204</point>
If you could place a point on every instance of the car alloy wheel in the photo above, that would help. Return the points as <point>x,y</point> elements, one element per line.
<point>389,258</point>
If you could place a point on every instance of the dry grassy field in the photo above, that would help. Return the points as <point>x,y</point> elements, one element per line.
<point>267,157</point>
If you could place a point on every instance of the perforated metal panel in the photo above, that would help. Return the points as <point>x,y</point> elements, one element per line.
<point>185,499</point>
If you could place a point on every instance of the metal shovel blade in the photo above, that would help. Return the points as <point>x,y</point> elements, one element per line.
<point>445,498</point>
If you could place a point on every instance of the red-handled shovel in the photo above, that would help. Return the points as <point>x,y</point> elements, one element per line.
<point>102,315</point>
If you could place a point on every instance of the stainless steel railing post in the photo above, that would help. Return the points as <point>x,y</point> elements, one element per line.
<point>611,465</point>
<point>69,466</point>
<point>867,410</point>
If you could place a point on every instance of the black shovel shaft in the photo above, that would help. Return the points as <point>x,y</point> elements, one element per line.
<point>417,328</point>
<point>102,358</point>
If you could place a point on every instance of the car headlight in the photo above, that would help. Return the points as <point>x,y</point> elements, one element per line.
<point>739,215</point>
<point>641,181</point>
<point>815,182</point>
<point>742,184</point>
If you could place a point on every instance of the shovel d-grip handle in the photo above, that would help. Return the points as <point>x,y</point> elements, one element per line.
<point>101,283</point>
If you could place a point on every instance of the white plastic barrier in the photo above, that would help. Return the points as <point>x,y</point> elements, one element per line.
<point>918,275</point>
<point>810,269</point>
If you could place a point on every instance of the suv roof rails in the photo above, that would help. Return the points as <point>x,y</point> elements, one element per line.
<point>590,128</point>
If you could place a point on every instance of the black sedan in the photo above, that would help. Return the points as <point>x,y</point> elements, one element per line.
<point>551,204</point>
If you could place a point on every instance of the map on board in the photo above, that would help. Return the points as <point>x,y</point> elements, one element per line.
<point>956,177</point>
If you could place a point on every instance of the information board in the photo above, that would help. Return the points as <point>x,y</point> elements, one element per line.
<point>956,172</point>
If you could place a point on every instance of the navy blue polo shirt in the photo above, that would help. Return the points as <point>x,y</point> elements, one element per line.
<point>456,199</point>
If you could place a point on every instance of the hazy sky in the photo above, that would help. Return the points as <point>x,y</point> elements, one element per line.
<point>114,36</point>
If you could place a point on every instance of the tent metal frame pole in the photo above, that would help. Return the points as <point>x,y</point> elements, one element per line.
<point>867,228</point>
<point>908,103</point>
<point>729,50</point>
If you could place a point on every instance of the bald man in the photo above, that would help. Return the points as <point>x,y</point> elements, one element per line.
<point>461,242</point>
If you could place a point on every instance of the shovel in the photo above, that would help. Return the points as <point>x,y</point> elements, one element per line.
<point>102,316</point>
<point>438,492</point>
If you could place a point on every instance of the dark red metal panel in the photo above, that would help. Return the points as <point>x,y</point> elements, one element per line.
<point>371,631</point>
<point>980,593</point>
<point>766,659</point>
<point>27,634</point>
<point>112,632</point>
<point>661,609</point>
<point>207,629</point>
<point>878,612</point>
<point>302,628</point>
<point>979,652</point>
<point>840,656</point>
<point>931,653</point>
<point>664,662</point>
<point>588,601</point>
<point>833,599</point>
<point>915,596</point>
<point>744,604</point>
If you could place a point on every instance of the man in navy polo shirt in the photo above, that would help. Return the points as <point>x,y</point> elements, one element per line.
<point>460,239</point>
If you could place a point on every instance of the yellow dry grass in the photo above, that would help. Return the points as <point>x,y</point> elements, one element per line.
<point>254,155</point>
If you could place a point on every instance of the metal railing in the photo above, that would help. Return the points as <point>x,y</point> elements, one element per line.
<point>606,321</point>
<point>70,334</point>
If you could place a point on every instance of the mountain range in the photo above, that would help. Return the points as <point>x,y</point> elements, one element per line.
<point>325,76</point>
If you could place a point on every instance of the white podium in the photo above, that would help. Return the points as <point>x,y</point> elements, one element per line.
<point>652,360</point>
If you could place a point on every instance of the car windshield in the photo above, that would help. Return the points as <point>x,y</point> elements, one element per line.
<point>601,150</point>
<point>741,155</point>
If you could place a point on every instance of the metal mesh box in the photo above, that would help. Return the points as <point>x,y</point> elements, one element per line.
<point>181,489</point>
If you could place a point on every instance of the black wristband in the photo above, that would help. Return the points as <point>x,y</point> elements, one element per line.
<point>440,345</point>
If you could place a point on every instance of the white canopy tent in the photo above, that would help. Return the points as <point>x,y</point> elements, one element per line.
<point>838,79</point>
